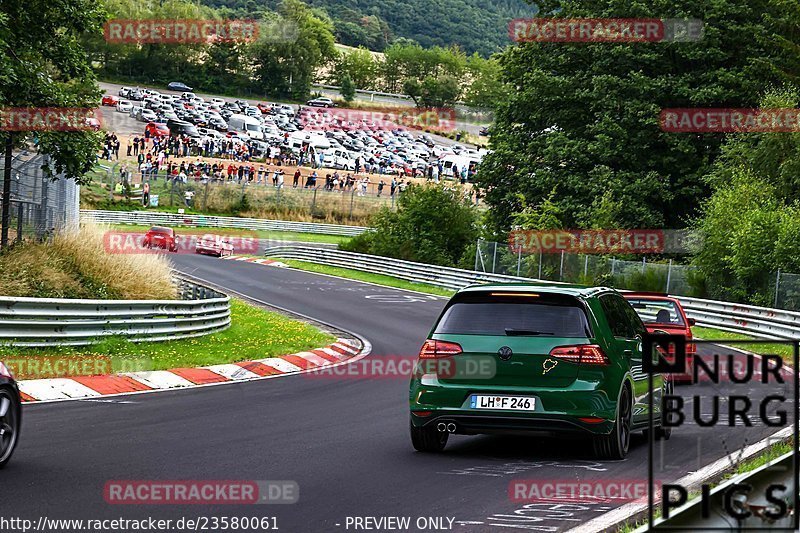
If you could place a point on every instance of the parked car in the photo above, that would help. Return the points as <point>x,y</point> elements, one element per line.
<point>109,99</point>
<point>124,92</point>
<point>182,127</point>
<point>93,123</point>
<point>213,245</point>
<point>148,115</point>
<point>179,86</point>
<point>321,102</point>
<point>124,106</point>
<point>10,415</point>
<point>156,129</point>
<point>557,359</point>
<point>664,314</point>
<point>161,237</point>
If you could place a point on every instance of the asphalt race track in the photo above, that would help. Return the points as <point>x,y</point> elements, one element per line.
<point>344,441</point>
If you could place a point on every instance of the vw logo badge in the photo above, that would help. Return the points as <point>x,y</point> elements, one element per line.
<point>505,353</point>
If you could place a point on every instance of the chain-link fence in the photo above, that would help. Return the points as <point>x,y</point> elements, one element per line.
<point>40,206</point>
<point>666,276</point>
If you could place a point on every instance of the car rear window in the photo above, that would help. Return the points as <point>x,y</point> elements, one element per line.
<point>159,229</point>
<point>533,314</point>
<point>657,311</point>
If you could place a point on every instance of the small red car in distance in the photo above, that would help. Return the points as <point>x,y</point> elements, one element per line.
<point>109,99</point>
<point>213,245</point>
<point>664,314</point>
<point>156,129</point>
<point>160,237</point>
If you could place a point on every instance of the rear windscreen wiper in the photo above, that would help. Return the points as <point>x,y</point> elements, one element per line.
<point>525,332</point>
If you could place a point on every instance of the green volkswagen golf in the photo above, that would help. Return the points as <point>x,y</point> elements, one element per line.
<point>533,359</point>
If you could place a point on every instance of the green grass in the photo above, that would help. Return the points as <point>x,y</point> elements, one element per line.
<point>254,334</point>
<point>378,279</point>
<point>260,234</point>
<point>786,351</point>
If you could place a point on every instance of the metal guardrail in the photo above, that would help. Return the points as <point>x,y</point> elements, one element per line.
<point>41,322</point>
<point>758,322</point>
<point>150,218</point>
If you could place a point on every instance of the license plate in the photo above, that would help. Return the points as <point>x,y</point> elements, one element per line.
<point>514,403</point>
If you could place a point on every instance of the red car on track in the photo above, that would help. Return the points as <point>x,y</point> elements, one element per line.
<point>160,237</point>
<point>664,314</point>
<point>109,99</point>
<point>156,129</point>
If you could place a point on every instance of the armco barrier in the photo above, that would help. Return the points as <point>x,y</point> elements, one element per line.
<point>155,218</point>
<point>750,320</point>
<point>40,322</point>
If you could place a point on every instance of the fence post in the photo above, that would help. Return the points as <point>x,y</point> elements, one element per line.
<point>519,259</point>
<point>540,264</point>
<point>561,268</point>
<point>314,200</point>
<point>586,266</point>
<point>19,221</point>
<point>477,251</point>
<point>777,286</point>
<point>352,201</point>
<point>669,275</point>
<point>644,264</point>
<point>494,256</point>
<point>613,265</point>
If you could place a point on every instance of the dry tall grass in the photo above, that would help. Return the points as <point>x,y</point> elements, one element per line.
<point>77,265</point>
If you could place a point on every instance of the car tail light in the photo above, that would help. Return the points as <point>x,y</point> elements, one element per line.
<point>589,354</point>
<point>5,372</point>
<point>433,349</point>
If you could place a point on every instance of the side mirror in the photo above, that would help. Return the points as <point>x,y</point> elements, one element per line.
<point>692,322</point>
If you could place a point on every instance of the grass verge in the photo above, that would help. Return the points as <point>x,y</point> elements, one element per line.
<point>255,333</point>
<point>378,279</point>
<point>764,347</point>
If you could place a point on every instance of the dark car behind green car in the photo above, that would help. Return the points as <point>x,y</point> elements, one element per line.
<point>532,359</point>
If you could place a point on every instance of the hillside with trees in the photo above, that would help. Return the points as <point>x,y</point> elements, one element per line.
<point>474,25</point>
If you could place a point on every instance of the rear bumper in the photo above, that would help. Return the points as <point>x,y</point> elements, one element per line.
<point>472,423</point>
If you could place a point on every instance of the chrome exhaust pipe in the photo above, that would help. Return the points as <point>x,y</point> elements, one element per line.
<point>451,427</point>
<point>442,427</point>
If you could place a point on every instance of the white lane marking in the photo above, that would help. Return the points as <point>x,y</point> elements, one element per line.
<point>279,364</point>
<point>56,389</point>
<point>160,379</point>
<point>234,372</point>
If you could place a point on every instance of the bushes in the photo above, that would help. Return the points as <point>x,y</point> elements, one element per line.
<point>433,224</point>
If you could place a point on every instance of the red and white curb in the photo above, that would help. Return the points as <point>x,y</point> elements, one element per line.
<point>79,387</point>
<point>256,260</point>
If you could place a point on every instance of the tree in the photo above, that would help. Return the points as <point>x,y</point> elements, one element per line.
<point>360,65</point>
<point>584,118</point>
<point>432,91</point>
<point>486,87</point>
<point>348,89</point>
<point>288,68</point>
<point>432,224</point>
<point>43,64</point>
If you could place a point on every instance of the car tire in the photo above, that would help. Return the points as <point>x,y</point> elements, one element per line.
<point>428,439</point>
<point>663,433</point>
<point>615,445</point>
<point>10,421</point>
